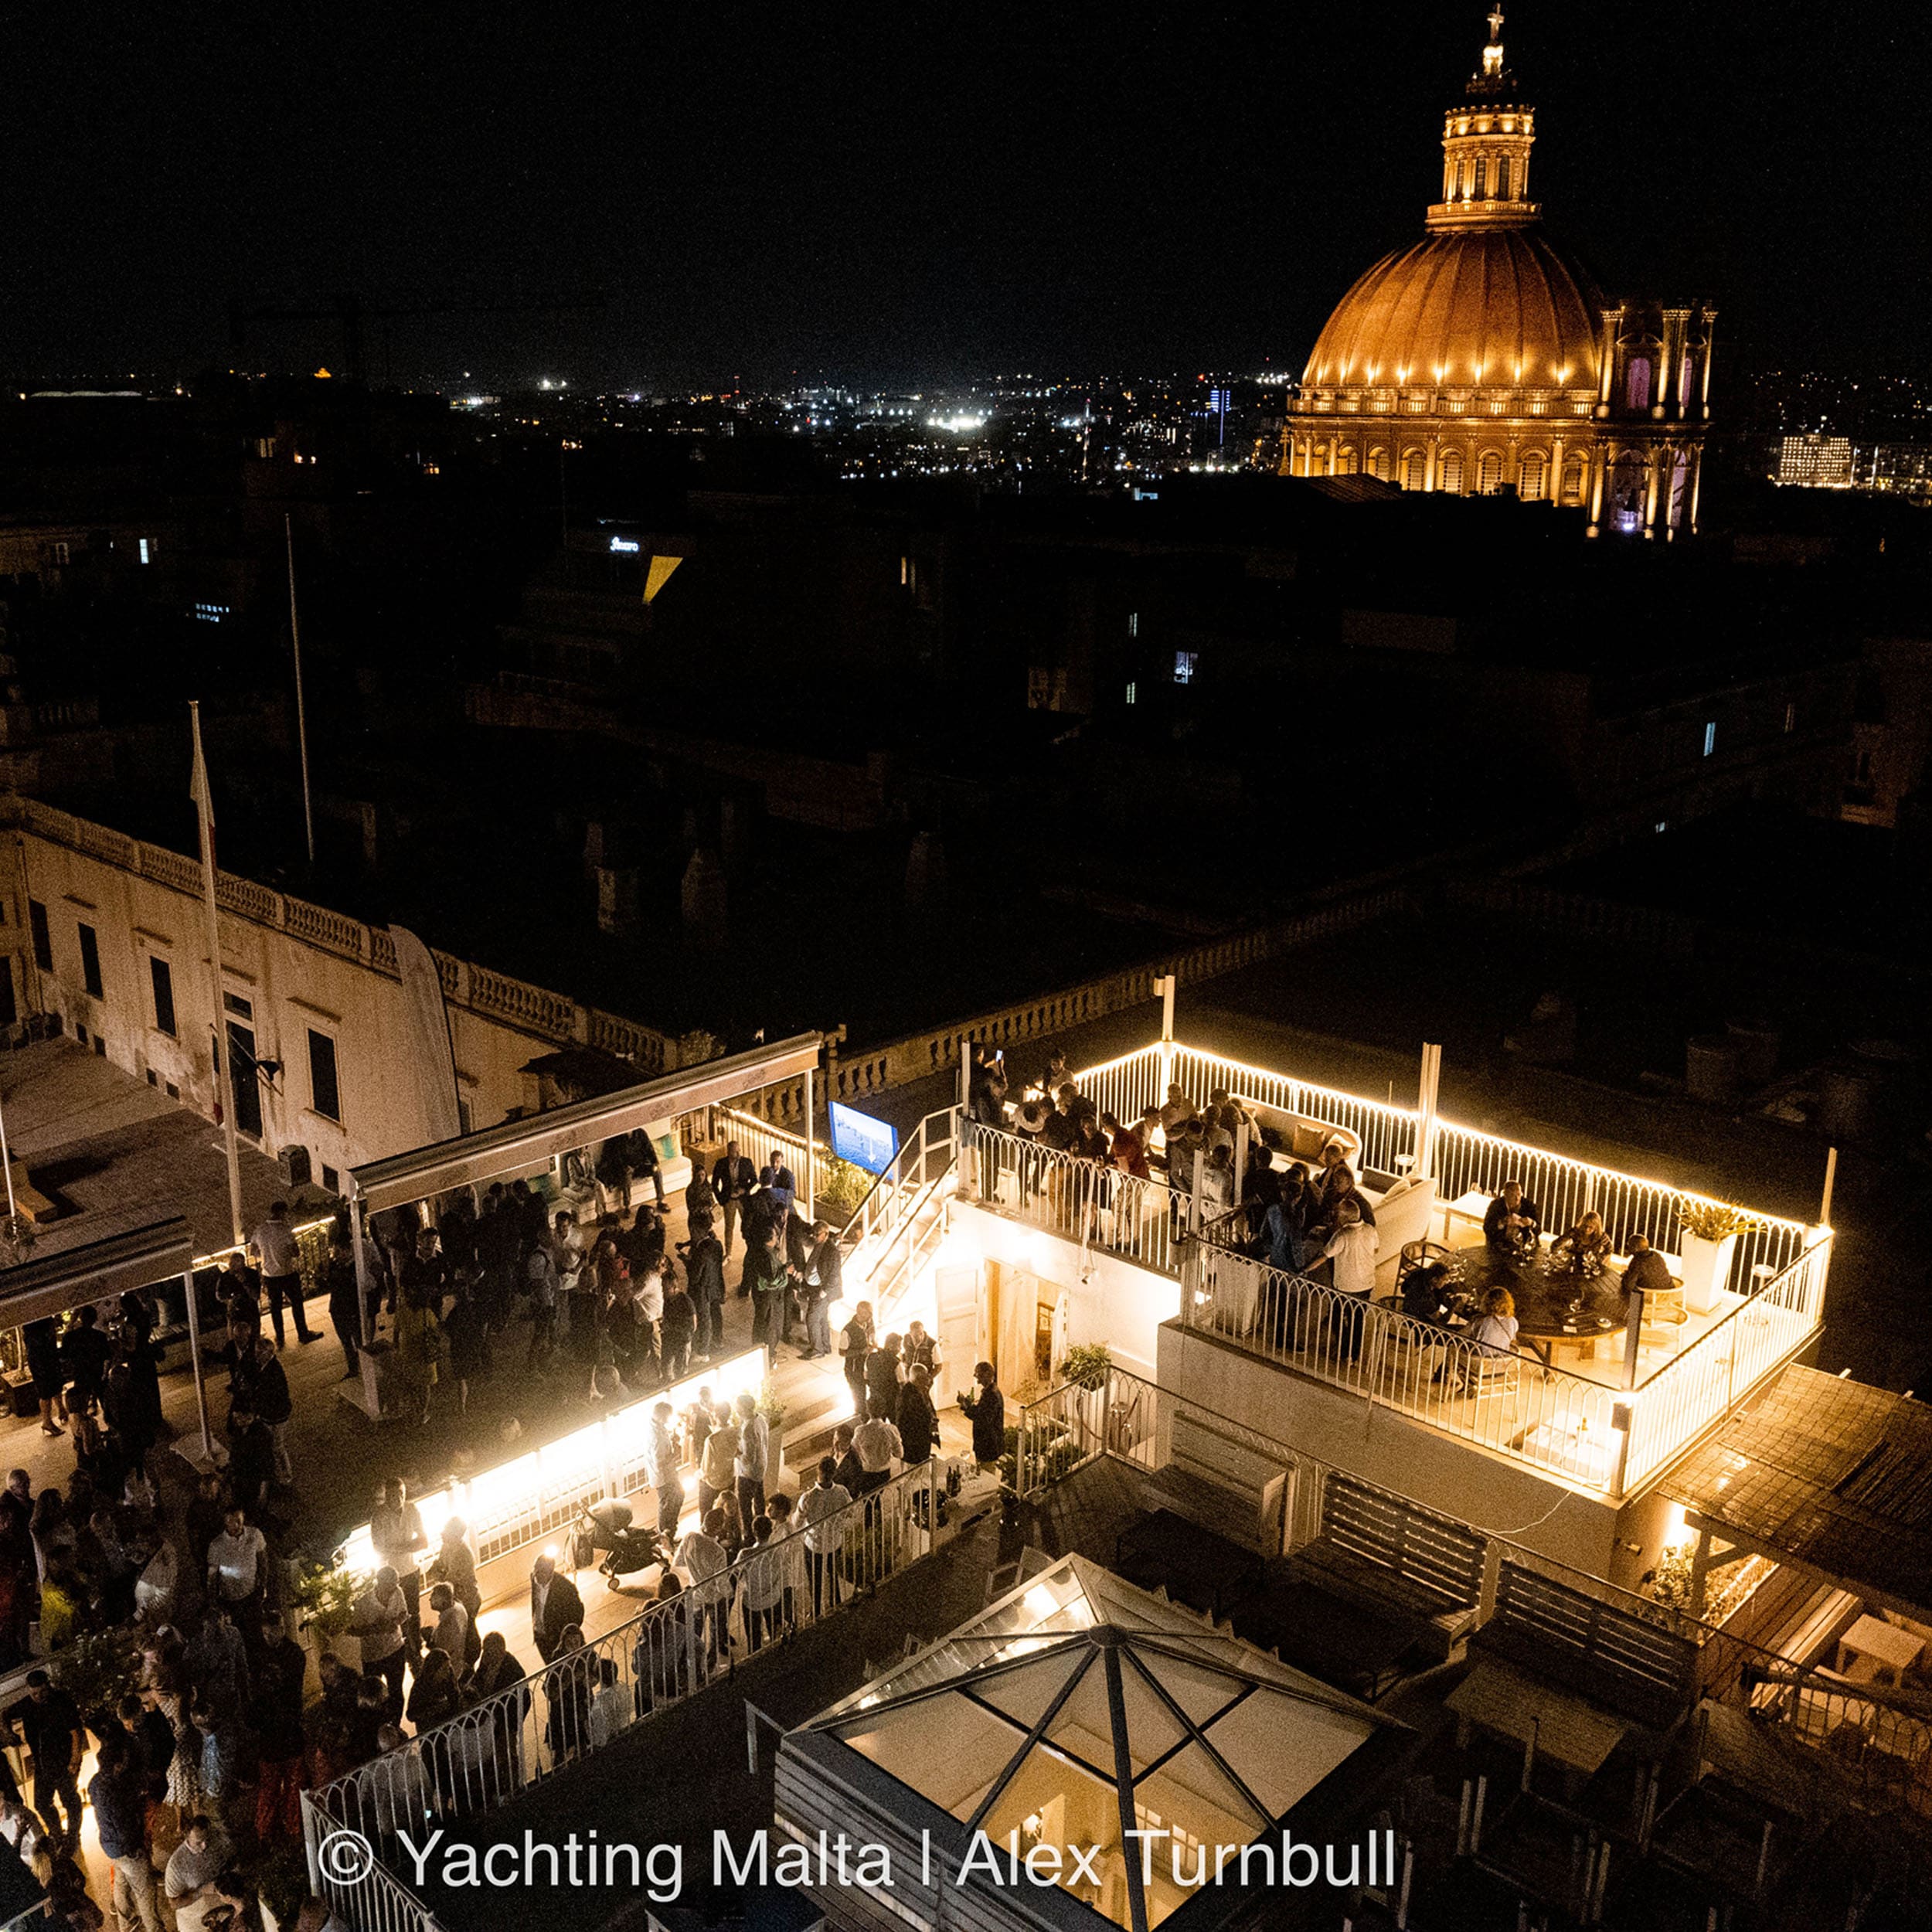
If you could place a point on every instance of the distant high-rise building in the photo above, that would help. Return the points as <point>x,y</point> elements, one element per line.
<point>1483,357</point>
<point>1815,462</point>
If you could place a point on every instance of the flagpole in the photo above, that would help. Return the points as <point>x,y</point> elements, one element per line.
<point>224,1084</point>
<point>302,714</point>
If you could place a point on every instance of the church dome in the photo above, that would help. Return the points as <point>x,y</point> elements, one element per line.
<point>1478,307</point>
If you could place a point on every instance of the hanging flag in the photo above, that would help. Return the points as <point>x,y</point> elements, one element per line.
<point>660,575</point>
<point>204,803</point>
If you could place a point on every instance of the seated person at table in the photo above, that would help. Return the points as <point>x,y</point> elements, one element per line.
<point>1647,1270</point>
<point>1512,1222</point>
<point>1586,1248</point>
<point>1425,1291</point>
<point>1494,1333</point>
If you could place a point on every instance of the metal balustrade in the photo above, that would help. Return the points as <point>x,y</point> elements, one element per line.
<point>1462,1160</point>
<point>1555,1421</point>
<point>1082,1201</point>
<point>1881,1745</point>
<point>583,1700</point>
<point>1696,1388</point>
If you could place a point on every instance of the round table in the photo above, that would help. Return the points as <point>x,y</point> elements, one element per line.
<point>1546,1321</point>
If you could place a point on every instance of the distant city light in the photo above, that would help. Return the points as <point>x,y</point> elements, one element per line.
<point>958,424</point>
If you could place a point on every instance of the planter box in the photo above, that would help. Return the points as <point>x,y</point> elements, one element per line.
<point>1706,1270</point>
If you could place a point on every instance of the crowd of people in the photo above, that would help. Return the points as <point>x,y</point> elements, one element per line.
<point>613,1304</point>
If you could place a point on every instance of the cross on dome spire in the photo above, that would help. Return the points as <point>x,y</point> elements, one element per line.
<point>1492,54</point>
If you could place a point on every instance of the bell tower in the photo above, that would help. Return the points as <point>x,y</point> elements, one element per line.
<point>1485,148</point>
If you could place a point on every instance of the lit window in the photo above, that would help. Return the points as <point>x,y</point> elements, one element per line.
<point>145,556</point>
<point>1130,693</point>
<point>61,553</point>
<point>1133,623</point>
<point>1184,663</point>
<point>1791,717</point>
<point>1663,824</point>
<point>1710,739</point>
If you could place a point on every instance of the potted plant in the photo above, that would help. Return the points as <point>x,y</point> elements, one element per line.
<point>324,1597</point>
<point>1087,1366</point>
<point>773,1409</point>
<point>97,1668</point>
<point>1710,1232</point>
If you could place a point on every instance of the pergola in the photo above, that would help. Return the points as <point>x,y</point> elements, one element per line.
<point>515,1147</point>
<point>97,1271</point>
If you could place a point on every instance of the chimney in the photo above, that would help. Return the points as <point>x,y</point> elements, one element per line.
<point>617,900</point>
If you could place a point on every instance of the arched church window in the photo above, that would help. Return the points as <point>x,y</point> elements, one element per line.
<point>1637,383</point>
<point>1351,461</point>
<point>1414,469</point>
<point>1488,472</point>
<point>1379,465</point>
<point>1482,178</point>
<point>1574,483</point>
<point>1531,486</point>
<point>1502,178</point>
<point>1684,381</point>
<point>1449,472</point>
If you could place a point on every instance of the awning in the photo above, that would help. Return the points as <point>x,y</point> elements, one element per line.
<point>75,1277</point>
<point>1828,1473</point>
<point>516,1146</point>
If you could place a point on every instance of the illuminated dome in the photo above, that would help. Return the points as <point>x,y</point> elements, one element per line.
<point>1475,306</point>
<point>1482,358</point>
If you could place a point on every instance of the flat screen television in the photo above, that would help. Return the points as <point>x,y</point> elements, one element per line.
<point>860,1138</point>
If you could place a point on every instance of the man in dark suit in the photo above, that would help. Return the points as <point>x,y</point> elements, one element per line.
<point>731,1181</point>
<point>555,1606</point>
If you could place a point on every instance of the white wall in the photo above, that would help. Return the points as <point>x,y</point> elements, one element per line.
<point>1109,1300</point>
<point>1366,1440</point>
<point>293,987</point>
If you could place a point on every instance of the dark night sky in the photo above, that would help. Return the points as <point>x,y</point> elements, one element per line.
<point>922,191</point>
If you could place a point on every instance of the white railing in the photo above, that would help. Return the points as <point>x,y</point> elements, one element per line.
<point>1082,1200</point>
<point>376,1901</point>
<point>1387,1134</point>
<point>584,1699</point>
<point>1555,1421</point>
<point>1699,1387</point>
<point>1467,1162</point>
<point>1125,1087</point>
<point>1463,1160</point>
<point>903,1185</point>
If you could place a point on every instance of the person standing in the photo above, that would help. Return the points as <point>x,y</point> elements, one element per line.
<point>664,1471</point>
<point>554,1607</point>
<point>396,1534</point>
<point>119,1796</point>
<point>280,1262</point>
<point>821,1510</point>
<point>275,1714</point>
<point>824,1285</point>
<point>377,1619</point>
<point>269,1398</point>
<point>705,1270</point>
<point>612,1175</point>
<point>918,1420</point>
<point>857,1352</point>
<point>680,1325</point>
<point>43,1364</point>
<point>1352,1249</point>
<point>767,1282</point>
<point>238,1564</point>
<point>344,1304</point>
<point>48,1720</point>
<point>731,1181</point>
<point>988,1416</point>
<point>754,1453</point>
<point>717,1463</point>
